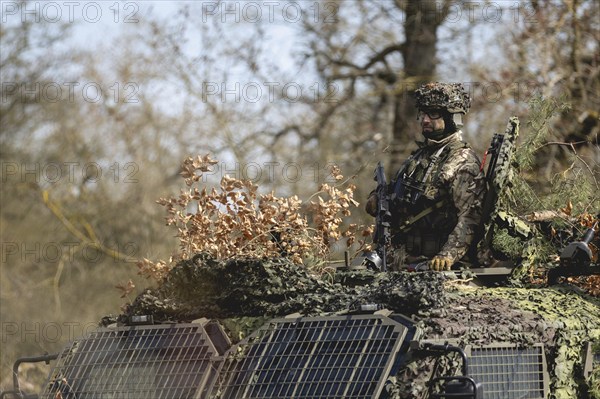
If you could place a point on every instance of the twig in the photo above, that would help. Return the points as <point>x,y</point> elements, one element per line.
<point>570,144</point>
<point>93,241</point>
<point>56,285</point>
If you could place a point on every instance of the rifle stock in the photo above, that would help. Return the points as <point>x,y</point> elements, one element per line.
<point>501,153</point>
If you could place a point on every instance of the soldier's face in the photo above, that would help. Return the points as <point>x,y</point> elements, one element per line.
<point>431,121</point>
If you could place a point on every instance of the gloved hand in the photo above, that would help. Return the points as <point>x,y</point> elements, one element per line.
<point>440,263</point>
<point>371,205</point>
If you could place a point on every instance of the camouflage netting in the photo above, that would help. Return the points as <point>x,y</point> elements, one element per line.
<point>243,293</point>
<point>204,287</point>
<point>561,318</point>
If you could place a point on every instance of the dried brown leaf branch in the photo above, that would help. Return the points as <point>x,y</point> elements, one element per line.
<point>233,220</point>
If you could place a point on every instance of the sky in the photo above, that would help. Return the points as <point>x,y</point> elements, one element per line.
<point>99,24</point>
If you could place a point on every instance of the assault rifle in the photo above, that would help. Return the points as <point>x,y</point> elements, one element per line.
<point>501,156</point>
<point>383,216</point>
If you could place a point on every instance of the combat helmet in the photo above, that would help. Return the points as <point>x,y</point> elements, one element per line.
<point>451,98</point>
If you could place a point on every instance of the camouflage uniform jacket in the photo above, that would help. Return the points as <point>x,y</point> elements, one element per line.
<point>446,173</point>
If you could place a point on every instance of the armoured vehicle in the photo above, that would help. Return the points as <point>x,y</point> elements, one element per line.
<point>351,342</point>
<point>349,356</point>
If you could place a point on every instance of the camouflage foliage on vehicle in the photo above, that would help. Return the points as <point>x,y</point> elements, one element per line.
<point>234,220</point>
<point>577,320</point>
<point>526,227</point>
<point>244,293</point>
<point>205,287</point>
<point>560,318</point>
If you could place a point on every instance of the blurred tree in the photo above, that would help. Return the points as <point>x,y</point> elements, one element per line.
<point>551,49</point>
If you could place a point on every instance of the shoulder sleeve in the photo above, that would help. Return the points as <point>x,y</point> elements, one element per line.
<point>463,160</point>
<point>466,188</point>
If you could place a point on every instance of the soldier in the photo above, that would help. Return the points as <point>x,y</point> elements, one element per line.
<point>436,196</point>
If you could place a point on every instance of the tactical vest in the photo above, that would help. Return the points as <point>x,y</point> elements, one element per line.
<point>423,214</point>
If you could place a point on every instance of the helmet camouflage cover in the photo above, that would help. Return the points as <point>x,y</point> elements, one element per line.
<point>451,97</point>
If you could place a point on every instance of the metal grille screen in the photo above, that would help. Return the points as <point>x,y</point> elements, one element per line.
<point>333,357</point>
<point>169,361</point>
<point>508,372</point>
